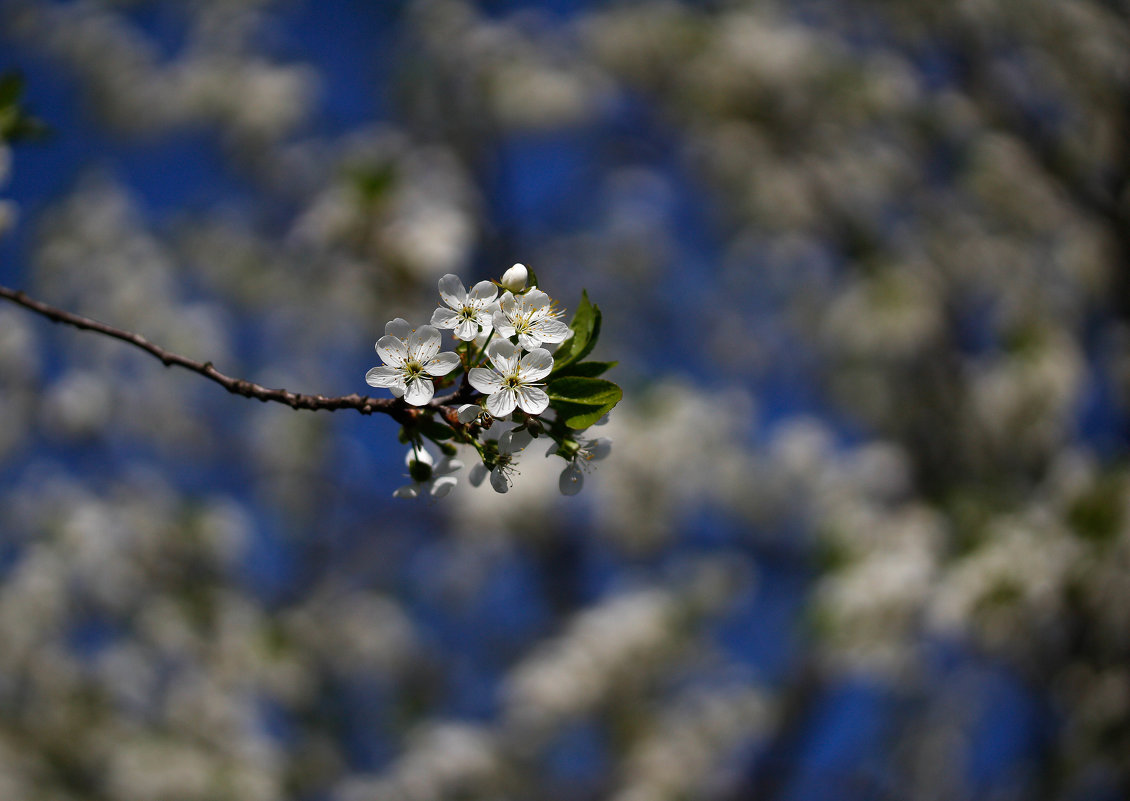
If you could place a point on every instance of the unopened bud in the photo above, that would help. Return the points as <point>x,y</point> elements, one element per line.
<point>514,279</point>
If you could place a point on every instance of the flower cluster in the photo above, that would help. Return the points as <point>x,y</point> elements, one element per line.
<point>516,371</point>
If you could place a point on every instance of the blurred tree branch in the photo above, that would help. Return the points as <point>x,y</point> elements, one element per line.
<point>394,407</point>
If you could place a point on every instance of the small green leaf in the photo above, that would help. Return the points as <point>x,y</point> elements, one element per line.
<point>585,369</point>
<point>585,391</point>
<point>586,330</point>
<point>579,416</point>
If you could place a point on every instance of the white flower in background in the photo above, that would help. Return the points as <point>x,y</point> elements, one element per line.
<point>514,279</point>
<point>531,317</point>
<point>467,312</point>
<point>428,478</point>
<point>510,383</point>
<point>411,358</point>
<point>573,476</point>
<point>510,444</point>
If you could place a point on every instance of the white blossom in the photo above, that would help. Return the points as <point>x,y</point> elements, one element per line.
<point>510,382</point>
<point>428,478</point>
<point>514,279</point>
<point>573,476</point>
<point>531,317</point>
<point>411,357</point>
<point>467,312</point>
<point>510,444</point>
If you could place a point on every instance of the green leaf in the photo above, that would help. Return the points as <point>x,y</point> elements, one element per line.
<point>585,391</point>
<point>586,330</point>
<point>581,401</point>
<point>579,416</point>
<point>585,369</point>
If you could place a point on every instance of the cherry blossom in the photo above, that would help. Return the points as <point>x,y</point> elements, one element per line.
<point>411,358</point>
<point>531,317</point>
<point>467,312</point>
<point>428,478</point>
<point>510,382</point>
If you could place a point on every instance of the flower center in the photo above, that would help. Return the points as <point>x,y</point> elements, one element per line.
<point>467,313</point>
<point>512,381</point>
<point>413,369</point>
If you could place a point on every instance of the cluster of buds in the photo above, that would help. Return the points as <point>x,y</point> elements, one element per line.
<point>517,372</point>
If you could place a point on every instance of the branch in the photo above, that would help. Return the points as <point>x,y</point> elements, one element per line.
<point>394,407</point>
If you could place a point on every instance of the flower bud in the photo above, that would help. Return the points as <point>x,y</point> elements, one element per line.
<point>514,279</point>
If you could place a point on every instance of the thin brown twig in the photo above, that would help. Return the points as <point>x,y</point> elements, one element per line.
<point>394,407</point>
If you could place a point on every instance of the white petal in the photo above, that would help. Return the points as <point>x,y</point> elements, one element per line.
<point>423,344</point>
<point>419,392</point>
<point>398,390</point>
<point>514,441</point>
<point>469,412</point>
<point>551,330</point>
<point>503,325</point>
<point>384,377</point>
<point>443,485</point>
<point>571,480</point>
<point>498,481</point>
<point>445,318</point>
<point>482,293</point>
<point>448,466</point>
<point>398,328</point>
<point>442,364</point>
<point>502,403</point>
<point>536,365</point>
<point>452,291</point>
<point>504,356</point>
<point>467,330</point>
<point>508,304</point>
<point>514,279</point>
<point>533,400</point>
<point>485,380</point>
<point>392,350</point>
<point>477,474</point>
<point>418,455</point>
<point>599,448</point>
<point>535,299</point>
<point>407,491</point>
<point>528,342</point>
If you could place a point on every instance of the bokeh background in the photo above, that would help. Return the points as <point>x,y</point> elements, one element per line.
<point>863,534</point>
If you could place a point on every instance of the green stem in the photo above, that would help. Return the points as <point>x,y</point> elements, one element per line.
<point>474,362</point>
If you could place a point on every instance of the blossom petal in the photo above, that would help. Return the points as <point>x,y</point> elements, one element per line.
<point>503,325</point>
<point>469,412</point>
<point>407,491</point>
<point>551,330</point>
<point>508,304</point>
<point>418,455</point>
<point>499,481</point>
<point>477,474</point>
<point>502,403</point>
<point>514,441</point>
<point>443,485</point>
<point>572,479</point>
<point>599,448</point>
<point>442,364</point>
<point>504,356</point>
<point>467,330</point>
<point>452,291</point>
<point>384,377</point>
<point>533,400</point>
<point>528,342</point>
<point>535,299</point>
<point>445,318</point>
<point>485,380</point>
<point>398,327</point>
<point>448,466</point>
<point>536,365</point>
<point>419,391</point>
<point>424,343</point>
<point>392,350</point>
<point>482,293</point>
